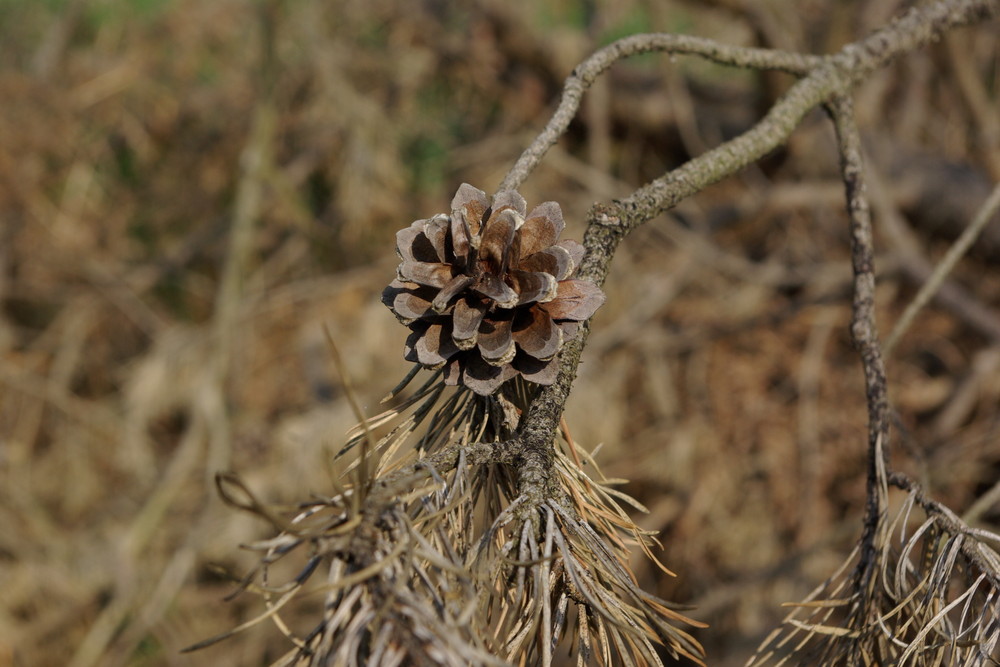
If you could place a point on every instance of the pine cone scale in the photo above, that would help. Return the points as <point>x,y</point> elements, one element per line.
<point>493,287</point>
<point>535,370</point>
<point>408,301</point>
<point>574,249</point>
<point>435,347</point>
<point>510,199</point>
<point>436,230</point>
<point>452,289</point>
<point>466,319</point>
<point>555,261</point>
<point>541,228</point>
<point>498,236</point>
<point>534,287</point>
<point>536,334</point>
<point>577,300</point>
<point>425,273</point>
<point>483,378</point>
<point>413,245</point>
<point>496,342</point>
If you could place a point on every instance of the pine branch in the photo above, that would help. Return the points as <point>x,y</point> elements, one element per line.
<point>478,545</point>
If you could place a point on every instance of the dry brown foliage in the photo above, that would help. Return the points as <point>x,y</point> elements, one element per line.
<point>191,192</point>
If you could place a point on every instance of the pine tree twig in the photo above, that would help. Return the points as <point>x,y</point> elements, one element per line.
<point>864,332</point>
<point>864,335</point>
<point>986,562</point>
<point>589,70</point>
<point>386,491</point>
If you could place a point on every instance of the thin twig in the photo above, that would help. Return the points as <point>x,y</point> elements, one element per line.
<point>864,335</point>
<point>918,268</point>
<point>944,267</point>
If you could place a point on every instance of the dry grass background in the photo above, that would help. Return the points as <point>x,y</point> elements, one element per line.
<point>190,192</point>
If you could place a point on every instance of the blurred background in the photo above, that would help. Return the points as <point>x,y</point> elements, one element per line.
<point>191,192</point>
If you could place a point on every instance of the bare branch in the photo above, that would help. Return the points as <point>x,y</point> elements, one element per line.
<point>587,72</point>
<point>864,332</point>
<point>835,76</point>
<point>864,335</point>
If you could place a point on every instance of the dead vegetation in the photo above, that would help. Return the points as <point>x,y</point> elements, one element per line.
<point>190,192</point>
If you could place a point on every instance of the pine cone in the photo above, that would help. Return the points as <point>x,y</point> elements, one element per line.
<point>487,290</point>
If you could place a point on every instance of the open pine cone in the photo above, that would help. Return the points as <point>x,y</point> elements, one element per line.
<point>487,290</point>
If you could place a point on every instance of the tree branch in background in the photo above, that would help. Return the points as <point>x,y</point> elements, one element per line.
<point>936,279</point>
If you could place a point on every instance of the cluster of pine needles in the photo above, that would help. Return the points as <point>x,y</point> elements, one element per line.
<point>433,558</point>
<point>927,592</point>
